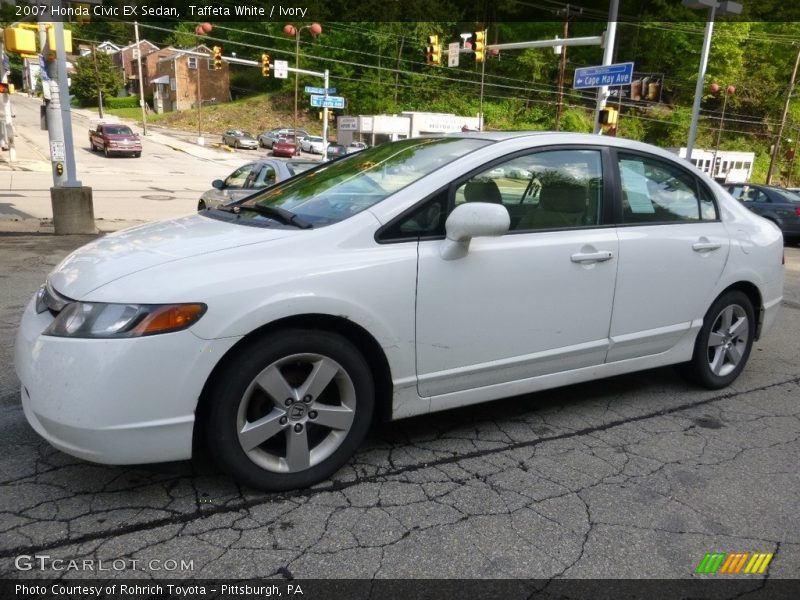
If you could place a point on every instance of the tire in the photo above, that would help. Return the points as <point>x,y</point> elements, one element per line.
<point>295,446</point>
<point>137,154</point>
<point>106,152</point>
<point>201,205</point>
<point>236,144</point>
<point>724,342</point>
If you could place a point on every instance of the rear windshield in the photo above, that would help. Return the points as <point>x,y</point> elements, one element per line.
<point>345,187</point>
<point>790,196</point>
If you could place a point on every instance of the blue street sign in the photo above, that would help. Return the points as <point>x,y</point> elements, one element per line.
<point>310,89</point>
<point>327,101</point>
<point>592,77</point>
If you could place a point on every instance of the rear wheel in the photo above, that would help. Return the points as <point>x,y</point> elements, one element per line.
<point>291,411</point>
<point>724,342</point>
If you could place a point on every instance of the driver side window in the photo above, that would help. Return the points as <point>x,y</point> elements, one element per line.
<point>238,178</point>
<point>545,190</point>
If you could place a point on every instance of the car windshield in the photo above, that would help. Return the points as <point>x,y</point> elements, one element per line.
<point>245,134</point>
<point>118,130</point>
<point>299,167</point>
<point>345,187</point>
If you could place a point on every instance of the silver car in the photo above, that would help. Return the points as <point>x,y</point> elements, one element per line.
<point>239,139</point>
<point>249,178</point>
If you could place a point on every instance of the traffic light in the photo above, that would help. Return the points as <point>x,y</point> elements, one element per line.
<point>608,117</point>
<point>479,45</point>
<point>434,51</point>
<point>265,65</point>
<point>217,57</point>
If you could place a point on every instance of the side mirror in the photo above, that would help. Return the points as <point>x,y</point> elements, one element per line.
<point>218,184</point>
<point>473,219</point>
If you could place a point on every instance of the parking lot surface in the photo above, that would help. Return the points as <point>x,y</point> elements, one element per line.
<point>630,477</point>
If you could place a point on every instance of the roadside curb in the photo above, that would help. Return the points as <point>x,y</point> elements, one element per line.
<point>45,226</point>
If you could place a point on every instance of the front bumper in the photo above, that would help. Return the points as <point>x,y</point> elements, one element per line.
<point>124,401</point>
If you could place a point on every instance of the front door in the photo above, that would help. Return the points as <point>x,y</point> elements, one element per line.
<point>534,301</point>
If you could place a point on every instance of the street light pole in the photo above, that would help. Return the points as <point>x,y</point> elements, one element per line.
<point>728,90</point>
<point>712,6</point>
<point>291,30</point>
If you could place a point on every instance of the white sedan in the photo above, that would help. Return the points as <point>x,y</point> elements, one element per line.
<point>313,144</point>
<point>398,281</point>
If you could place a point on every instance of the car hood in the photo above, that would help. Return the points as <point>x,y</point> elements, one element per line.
<point>146,246</point>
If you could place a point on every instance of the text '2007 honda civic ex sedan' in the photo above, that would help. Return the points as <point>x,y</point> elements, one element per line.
<point>411,277</point>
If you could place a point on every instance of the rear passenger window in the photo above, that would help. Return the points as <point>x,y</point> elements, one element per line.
<point>654,191</point>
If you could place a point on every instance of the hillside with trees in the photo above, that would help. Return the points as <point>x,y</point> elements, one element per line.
<point>380,67</point>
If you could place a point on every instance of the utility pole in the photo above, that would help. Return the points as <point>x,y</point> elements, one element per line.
<point>776,148</point>
<point>73,211</point>
<point>7,126</point>
<point>97,82</point>
<point>141,83</point>
<point>562,66</point>
<point>608,58</point>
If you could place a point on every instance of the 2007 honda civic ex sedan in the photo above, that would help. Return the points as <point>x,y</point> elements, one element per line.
<point>409,278</point>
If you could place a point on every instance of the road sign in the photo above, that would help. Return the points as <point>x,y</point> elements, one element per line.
<point>592,77</point>
<point>310,89</point>
<point>452,54</point>
<point>318,101</point>
<point>281,69</point>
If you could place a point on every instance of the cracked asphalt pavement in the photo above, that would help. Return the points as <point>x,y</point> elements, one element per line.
<point>630,477</point>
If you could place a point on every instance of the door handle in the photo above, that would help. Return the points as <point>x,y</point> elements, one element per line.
<point>591,257</point>
<point>704,246</point>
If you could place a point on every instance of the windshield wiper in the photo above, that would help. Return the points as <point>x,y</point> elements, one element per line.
<point>279,214</point>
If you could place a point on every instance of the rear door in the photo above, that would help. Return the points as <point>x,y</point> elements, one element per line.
<point>672,250</point>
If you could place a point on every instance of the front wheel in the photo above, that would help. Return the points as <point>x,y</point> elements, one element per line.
<point>106,152</point>
<point>291,410</point>
<point>724,342</point>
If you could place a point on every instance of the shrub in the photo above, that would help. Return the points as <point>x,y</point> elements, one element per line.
<point>124,102</point>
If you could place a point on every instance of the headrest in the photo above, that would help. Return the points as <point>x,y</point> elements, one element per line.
<point>563,197</point>
<point>482,191</point>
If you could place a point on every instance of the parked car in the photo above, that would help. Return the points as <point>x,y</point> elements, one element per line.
<point>354,147</point>
<point>271,330</point>
<point>115,138</point>
<point>335,150</point>
<point>775,204</point>
<point>239,139</point>
<point>287,146</point>
<point>250,178</point>
<point>268,138</point>
<point>313,144</point>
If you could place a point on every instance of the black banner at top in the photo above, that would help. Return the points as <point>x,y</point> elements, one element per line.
<point>462,11</point>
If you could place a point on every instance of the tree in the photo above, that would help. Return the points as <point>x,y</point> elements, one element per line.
<point>86,80</point>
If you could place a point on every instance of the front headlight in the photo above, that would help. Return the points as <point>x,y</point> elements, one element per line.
<point>100,320</point>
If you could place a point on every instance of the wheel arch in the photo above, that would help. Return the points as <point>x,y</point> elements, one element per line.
<point>363,340</point>
<point>750,290</point>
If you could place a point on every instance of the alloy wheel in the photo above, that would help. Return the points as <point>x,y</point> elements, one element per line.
<point>728,340</point>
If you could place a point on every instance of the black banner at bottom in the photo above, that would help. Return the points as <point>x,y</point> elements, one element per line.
<point>405,589</point>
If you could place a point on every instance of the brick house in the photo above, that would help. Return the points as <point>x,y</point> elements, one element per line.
<point>176,80</point>
<point>125,60</point>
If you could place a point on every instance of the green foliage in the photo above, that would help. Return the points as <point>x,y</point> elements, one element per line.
<point>90,76</point>
<point>578,120</point>
<point>125,102</point>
